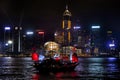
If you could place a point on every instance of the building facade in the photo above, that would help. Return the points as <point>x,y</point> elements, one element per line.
<point>66,27</point>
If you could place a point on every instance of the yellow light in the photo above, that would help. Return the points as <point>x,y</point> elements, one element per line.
<point>69,24</point>
<point>69,36</point>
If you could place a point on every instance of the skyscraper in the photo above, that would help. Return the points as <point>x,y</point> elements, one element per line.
<point>66,26</point>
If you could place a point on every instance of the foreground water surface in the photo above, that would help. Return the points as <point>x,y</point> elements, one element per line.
<point>88,69</point>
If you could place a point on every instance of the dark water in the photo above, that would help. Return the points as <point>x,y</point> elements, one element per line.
<point>88,69</point>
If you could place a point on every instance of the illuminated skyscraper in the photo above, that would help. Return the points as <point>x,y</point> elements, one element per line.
<point>66,26</point>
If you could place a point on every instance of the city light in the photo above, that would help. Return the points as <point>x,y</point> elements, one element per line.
<point>29,33</point>
<point>7,28</point>
<point>76,27</point>
<point>16,28</point>
<point>40,32</point>
<point>6,44</point>
<point>10,42</point>
<point>95,27</point>
<point>111,45</point>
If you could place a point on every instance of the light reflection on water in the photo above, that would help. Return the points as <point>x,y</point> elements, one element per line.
<point>91,68</point>
<point>99,67</point>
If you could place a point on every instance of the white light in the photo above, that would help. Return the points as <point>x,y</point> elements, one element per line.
<point>7,28</point>
<point>55,34</point>
<point>76,27</point>
<point>20,28</point>
<point>9,42</point>
<point>29,33</point>
<point>16,28</point>
<point>111,45</point>
<point>97,27</point>
<point>6,44</point>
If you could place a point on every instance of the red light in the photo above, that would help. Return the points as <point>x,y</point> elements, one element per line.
<point>74,58</point>
<point>57,59</point>
<point>40,32</point>
<point>35,56</point>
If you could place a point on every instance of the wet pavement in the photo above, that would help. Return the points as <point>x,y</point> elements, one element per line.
<point>88,69</point>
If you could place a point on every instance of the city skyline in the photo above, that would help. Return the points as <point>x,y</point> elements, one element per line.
<point>47,15</point>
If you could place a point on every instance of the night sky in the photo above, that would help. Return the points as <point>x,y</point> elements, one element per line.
<point>47,14</point>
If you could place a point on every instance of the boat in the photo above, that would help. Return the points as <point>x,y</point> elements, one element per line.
<point>56,63</point>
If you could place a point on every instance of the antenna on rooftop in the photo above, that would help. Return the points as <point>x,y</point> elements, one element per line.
<point>66,7</point>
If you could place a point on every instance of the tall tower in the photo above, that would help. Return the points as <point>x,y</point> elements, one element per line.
<point>66,26</point>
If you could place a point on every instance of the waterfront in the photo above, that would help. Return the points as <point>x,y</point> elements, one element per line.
<point>89,68</point>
